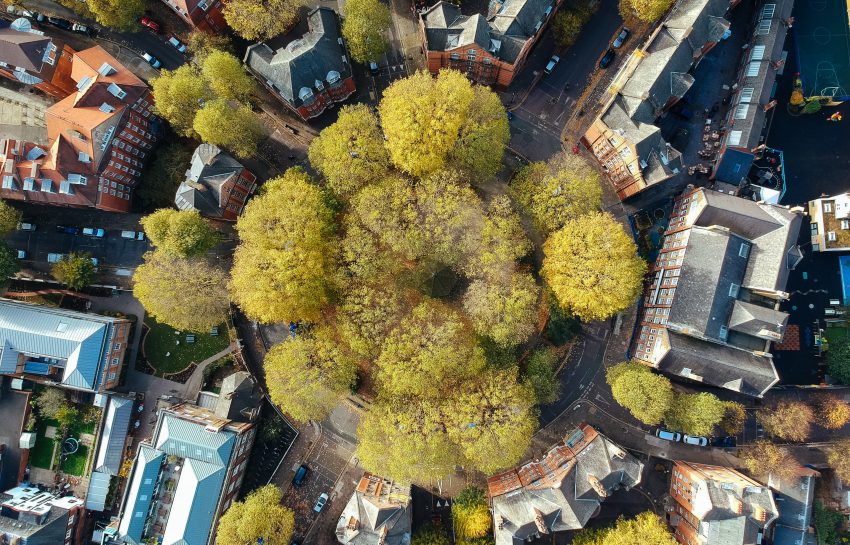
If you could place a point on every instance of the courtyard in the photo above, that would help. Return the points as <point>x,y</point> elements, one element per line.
<point>168,351</point>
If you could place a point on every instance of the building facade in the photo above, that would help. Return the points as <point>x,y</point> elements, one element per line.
<point>309,74</point>
<point>29,57</point>
<point>217,185</point>
<point>206,15</point>
<point>830,223</point>
<point>30,516</point>
<point>99,140</point>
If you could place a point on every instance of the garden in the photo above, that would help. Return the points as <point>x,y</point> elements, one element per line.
<point>169,351</point>
<point>60,427</point>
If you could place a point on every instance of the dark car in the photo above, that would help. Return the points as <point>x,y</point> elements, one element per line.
<point>621,38</point>
<point>300,475</point>
<point>59,22</point>
<point>606,60</point>
<point>67,229</point>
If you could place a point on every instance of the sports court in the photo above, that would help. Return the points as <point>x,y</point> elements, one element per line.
<point>821,29</point>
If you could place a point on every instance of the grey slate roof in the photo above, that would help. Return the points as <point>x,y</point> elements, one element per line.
<point>725,524</point>
<point>758,321</point>
<point>239,396</point>
<point>380,520</point>
<point>318,56</point>
<point>116,424</point>
<point>23,49</point>
<point>794,499</point>
<point>209,170</point>
<point>97,491</point>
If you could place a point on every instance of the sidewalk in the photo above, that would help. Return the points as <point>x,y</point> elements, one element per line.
<point>193,385</point>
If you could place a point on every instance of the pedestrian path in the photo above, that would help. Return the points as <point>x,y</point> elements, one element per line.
<point>196,379</point>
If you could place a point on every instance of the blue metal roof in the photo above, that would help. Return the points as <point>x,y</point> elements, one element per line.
<point>190,522</point>
<point>98,490</point>
<point>142,484</point>
<point>734,166</point>
<point>115,427</point>
<point>186,439</point>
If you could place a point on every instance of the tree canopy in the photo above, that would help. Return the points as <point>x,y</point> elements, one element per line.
<point>178,95</point>
<point>471,514</point>
<point>235,128</point>
<point>647,11</point>
<point>9,218</point>
<point>838,359</point>
<point>226,76</point>
<point>734,418</point>
<point>647,395</point>
<point>503,311</point>
<point>540,375</point>
<point>260,518</point>
<point>9,263</point>
<point>646,529</point>
<point>162,177</point>
<point>261,19</point>
<point>365,29</point>
<point>49,402</point>
<point>503,242</point>
<point>838,460</point>
<point>764,457</point>
<point>429,534</point>
<point>592,266</point>
<point>183,233</point>
<point>695,414</point>
<point>833,412</point>
<point>189,294</point>
<point>75,270</point>
<point>117,14</point>
<point>791,420</point>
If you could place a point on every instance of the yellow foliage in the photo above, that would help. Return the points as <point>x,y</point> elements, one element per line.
<point>260,516</point>
<point>797,98</point>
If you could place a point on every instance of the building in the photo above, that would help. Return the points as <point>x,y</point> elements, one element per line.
<point>379,512</point>
<point>490,50</point>
<point>718,506</point>
<point>100,137</point>
<point>624,138</point>
<point>309,74</point>
<point>206,15</point>
<point>32,517</point>
<point>794,497</point>
<point>830,223</point>
<point>190,471</point>
<point>111,447</point>
<point>217,185</point>
<point>563,490</point>
<point>61,347</point>
<point>709,311</point>
<point>30,57</point>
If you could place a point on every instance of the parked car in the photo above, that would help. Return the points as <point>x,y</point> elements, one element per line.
<point>178,45</point>
<point>132,235</point>
<point>323,499</point>
<point>79,27</point>
<point>153,61</point>
<point>14,10</point>
<point>140,235</point>
<point>54,258</point>
<point>607,59</point>
<point>94,261</point>
<point>668,435</point>
<point>93,232</point>
<point>59,22</point>
<point>694,440</point>
<point>22,254</point>
<point>553,62</point>
<point>149,23</point>
<point>300,475</point>
<point>26,226</point>
<point>373,67</point>
<point>68,229</point>
<point>729,441</point>
<point>621,38</point>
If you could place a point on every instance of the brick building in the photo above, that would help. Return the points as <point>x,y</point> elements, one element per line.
<point>204,15</point>
<point>31,516</point>
<point>308,74</point>
<point>99,139</point>
<point>490,50</point>
<point>30,57</point>
<point>217,185</point>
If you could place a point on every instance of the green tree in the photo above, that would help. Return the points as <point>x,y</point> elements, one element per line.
<point>791,420</point>
<point>162,177</point>
<point>201,43</point>
<point>645,529</point>
<point>553,193</point>
<point>430,534</point>
<point>66,416</point>
<point>483,136</point>
<point>540,375</point>
<point>259,518</point>
<point>364,257</point>
<point>647,11</point>
<point>49,402</point>
<point>9,263</point>
<point>285,258</point>
<point>188,294</point>
<point>178,95</point>
<point>75,270</point>
<point>838,460</point>
<point>828,523</point>
<point>117,14</point>
<point>838,359</point>
<point>503,311</point>
<point>695,414</point>
<point>365,29</point>
<point>763,458</point>
<point>567,26</point>
<point>261,19</point>
<point>503,241</point>
<point>184,233</point>
<point>309,374</point>
<point>431,350</point>
<point>647,395</point>
<point>592,266</point>
<point>236,128</point>
<point>350,153</point>
<point>9,218</point>
<point>226,76</point>
<point>471,514</point>
<point>734,418</point>
<point>833,412</point>
<point>369,312</point>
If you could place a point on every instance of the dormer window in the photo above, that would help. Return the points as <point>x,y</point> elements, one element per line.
<point>116,91</point>
<point>83,83</point>
<point>106,69</point>
<point>84,157</point>
<point>106,108</point>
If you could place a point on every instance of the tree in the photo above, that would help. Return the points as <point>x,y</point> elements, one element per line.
<point>833,412</point>
<point>540,375</point>
<point>646,10</point>
<point>49,402</point>
<point>75,270</point>
<point>647,395</point>
<point>483,136</point>
<point>430,534</point>
<point>430,351</point>
<point>117,14</point>
<point>838,460</point>
<point>645,529</point>
<point>226,76</point>
<point>9,263</point>
<point>369,312</point>
<point>364,257</point>
<point>350,153</point>
<point>261,19</point>
<point>309,374</point>
<point>201,43</point>
<point>829,524</point>
<point>365,29</point>
<point>183,233</point>
<point>503,311</point>
<point>260,518</point>
<point>471,514</point>
<point>422,117</point>
<point>189,294</point>
<point>763,458</point>
<point>567,26</point>
<point>67,415</point>
<point>9,218</point>
<point>791,420</point>
<point>503,241</point>
<point>178,95</point>
<point>592,266</point>
<point>553,193</point>
<point>491,419</point>
<point>838,359</point>
<point>224,124</point>
<point>734,418</point>
<point>162,177</point>
<point>695,414</point>
<point>285,258</point>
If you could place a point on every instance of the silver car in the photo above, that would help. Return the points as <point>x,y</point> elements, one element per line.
<point>320,503</point>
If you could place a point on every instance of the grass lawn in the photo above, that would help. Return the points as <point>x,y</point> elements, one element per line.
<point>161,339</point>
<point>75,464</point>
<point>834,333</point>
<point>42,454</point>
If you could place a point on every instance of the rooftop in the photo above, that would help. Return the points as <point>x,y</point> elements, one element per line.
<point>27,510</point>
<point>377,513</point>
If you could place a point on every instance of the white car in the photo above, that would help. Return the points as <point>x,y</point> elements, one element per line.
<point>323,499</point>
<point>153,61</point>
<point>178,45</point>
<point>552,63</point>
<point>93,232</point>
<point>694,440</point>
<point>22,254</point>
<point>26,227</point>
<point>668,435</point>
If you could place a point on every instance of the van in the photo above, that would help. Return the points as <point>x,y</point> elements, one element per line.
<point>300,475</point>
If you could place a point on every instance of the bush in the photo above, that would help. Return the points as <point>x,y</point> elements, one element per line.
<point>540,374</point>
<point>471,514</point>
<point>162,177</point>
<point>812,107</point>
<point>562,326</point>
<point>827,524</point>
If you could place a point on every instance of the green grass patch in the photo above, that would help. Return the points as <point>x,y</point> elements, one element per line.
<point>41,455</point>
<point>162,339</point>
<point>75,464</point>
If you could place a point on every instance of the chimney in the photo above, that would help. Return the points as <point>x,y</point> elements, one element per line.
<point>597,486</point>
<point>759,513</point>
<point>353,523</point>
<point>769,105</point>
<point>383,539</point>
<point>539,522</point>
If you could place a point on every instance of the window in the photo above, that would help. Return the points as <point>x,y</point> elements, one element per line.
<point>106,69</point>
<point>753,69</point>
<point>741,111</point>
<point>143,497</point>
<point>112,375</point>
<point>827,207</point>
<point>115,361</point>
<point>84,157</point>
<point>106,108</point>
<point>747,94</point>
<point>116,91</point>
<point>845,224</point>
<point>735,138</point>
<point>733,289</point>
<point>724,333</point>
<point>203,5</point>
<point>764,27</point>
<point>744,250</point>
<point>830,236</point>
<point>757,53</point>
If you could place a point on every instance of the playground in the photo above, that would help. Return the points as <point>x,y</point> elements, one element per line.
<point>822,36</point>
